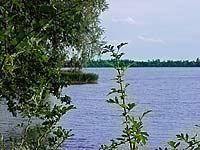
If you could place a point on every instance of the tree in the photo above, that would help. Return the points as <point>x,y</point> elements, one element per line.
<point>35,38</point>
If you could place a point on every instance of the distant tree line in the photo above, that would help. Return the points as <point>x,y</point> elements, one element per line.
<point>149,63</point>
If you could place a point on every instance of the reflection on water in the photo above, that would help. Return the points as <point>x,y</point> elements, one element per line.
<point>171,93</point>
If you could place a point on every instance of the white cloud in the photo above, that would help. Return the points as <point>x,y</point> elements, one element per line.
<point>152,40</point>
<point>116,42</point>
<point>128,20</point>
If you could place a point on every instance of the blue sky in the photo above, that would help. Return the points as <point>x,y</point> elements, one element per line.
<point>154,29</point>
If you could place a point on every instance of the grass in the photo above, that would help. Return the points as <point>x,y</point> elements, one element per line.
<point>79,77</point>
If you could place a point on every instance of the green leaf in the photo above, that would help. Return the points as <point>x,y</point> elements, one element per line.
<point>131,106</point>
<point>177,144</point>
<point>116,100</point>
<point>43,22</point>
<point>172,144</point>
<point>186,137</point>
<point>123,106</point>
<point>66,99</point>
<point>47,9</point>
<point>110,101</point>
<point>144,114</point>
<point>120,45</point>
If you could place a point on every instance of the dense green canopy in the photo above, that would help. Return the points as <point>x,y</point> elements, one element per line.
<point>36,36</point>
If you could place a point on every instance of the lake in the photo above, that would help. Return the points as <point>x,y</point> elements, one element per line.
<point>171,93</point>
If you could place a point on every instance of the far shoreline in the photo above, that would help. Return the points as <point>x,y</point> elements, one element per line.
<point>149,63</point>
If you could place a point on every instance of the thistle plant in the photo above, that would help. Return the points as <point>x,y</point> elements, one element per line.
<point>133,135</point>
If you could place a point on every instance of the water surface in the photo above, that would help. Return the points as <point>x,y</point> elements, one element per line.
<point>171,93</point>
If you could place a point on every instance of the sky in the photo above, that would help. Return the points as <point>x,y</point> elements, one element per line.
<point>154,29</point>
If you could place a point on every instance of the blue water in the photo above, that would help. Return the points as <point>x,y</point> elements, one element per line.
<point>173,95</point>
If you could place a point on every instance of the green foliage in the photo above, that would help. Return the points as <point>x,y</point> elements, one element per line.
<point>35,38</point>
<point>46,135</point>
<point>185,142</point>
<point>133,135</point>
<point>2,145</point>
<point>149,63</point>
<point>78,77</point>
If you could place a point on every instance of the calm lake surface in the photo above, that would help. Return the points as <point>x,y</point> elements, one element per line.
<point>173,95</point>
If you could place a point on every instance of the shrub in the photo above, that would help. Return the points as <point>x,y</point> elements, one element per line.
<point>78,77</point>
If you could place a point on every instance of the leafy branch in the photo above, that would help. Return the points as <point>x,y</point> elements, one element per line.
<point>132,131</point>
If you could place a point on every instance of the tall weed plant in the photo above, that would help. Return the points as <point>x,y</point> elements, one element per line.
<point>133,135</point>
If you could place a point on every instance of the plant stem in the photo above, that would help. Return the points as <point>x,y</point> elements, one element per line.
<point>132,147</point>
<point>25,132</point>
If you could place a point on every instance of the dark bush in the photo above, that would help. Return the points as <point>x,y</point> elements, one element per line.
<point>78,77</point>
